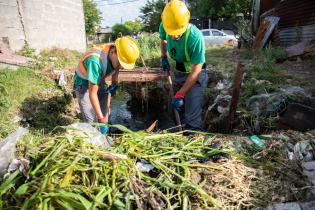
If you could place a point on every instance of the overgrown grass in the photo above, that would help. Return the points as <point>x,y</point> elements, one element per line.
<point>150,50</point>
<point>220,58</point>
<point>269,55</point>
<point>18,85</point>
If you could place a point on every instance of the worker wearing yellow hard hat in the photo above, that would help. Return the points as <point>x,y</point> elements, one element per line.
<point>96,65</point>
<point>183,42</point>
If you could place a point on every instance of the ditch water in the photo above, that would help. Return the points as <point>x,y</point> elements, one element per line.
<point>138,114</point>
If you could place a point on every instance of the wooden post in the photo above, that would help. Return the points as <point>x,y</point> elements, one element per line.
<point>235,96</point>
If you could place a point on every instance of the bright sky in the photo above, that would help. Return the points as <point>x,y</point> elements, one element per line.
<point>115,11</point>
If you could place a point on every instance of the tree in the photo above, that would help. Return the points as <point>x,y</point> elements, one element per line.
<point>151,15</point>
<point>121,28</point>
<point>127,28</point>
<point>134,25</point>
<point>92,16</point>
<point>219,8</point>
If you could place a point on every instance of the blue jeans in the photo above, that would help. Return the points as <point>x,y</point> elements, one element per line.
<point>194,99</point>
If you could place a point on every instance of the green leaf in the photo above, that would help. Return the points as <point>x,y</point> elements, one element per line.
<point>8,183</point>
<point>21,190</point>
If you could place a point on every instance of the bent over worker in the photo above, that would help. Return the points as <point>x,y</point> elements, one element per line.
<point>184,43</point>
<point>89,79</point>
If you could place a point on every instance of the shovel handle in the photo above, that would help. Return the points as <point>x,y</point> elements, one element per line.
<point>177,117</point>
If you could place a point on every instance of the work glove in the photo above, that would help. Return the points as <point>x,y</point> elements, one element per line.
<point>104,127</point>
<point>112,89</point>
<point>165,63</point>
<point>178,101</point>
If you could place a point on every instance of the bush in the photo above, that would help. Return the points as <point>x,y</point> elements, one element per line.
<point>150,50</point>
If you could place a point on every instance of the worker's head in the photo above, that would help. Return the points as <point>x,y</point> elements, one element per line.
<point>175,18</point>
<point>127,51</point>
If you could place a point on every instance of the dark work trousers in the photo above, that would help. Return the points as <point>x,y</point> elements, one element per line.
<point>191,115</point>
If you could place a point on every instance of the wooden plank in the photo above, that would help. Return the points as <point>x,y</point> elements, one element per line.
<point>141,75</point>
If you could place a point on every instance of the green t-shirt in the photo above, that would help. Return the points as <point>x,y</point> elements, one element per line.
<point>195,48</point>
<point>93,66</point>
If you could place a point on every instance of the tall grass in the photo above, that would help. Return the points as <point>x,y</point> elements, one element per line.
<point>150,50</point>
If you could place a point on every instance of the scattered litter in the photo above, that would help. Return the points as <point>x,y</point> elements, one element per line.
<point>22,165</point>
<point>297,49</point>
<point>298,117</point>
<point>62,79</point>
<point>260,143</point>
<point>89,134</point>
<point>144,166</point>
<point>7,148</point>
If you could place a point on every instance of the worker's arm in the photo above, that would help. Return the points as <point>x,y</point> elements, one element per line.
<point>93,89</point>
<point>163,48</point>
<point>115,77</point>
<point>191,79</point>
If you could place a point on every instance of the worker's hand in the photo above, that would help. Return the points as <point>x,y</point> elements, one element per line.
<point>112,89</point>
<point>104,127</point>
<point>178,101</point>
<point>165,63</point>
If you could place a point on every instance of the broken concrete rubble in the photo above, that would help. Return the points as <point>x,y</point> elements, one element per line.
<point>11,60</point>
<point>300,49</point>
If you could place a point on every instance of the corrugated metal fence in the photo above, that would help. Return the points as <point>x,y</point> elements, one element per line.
<point>297,21</point>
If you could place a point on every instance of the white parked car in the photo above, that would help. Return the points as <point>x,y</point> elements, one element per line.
<point>217,37</point>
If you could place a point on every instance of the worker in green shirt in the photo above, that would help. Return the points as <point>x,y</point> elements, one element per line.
<point>89,79</point>
<point>184,43</point>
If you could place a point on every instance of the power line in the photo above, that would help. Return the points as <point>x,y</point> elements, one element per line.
<point>123,2</point>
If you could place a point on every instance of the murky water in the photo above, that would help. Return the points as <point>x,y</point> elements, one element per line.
<point>136,115</point>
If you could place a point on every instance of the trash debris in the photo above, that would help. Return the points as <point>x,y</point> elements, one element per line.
<point>144,166</point>
<point>7,149</point>
<point>62,79</point>
<point>22,165</point>
<point>9,58</point>
<point>297,49</point>
<point>270,105</point>
<point>303,151</point>
<point>298,117</point>
<point>257,141</point>
<point>89,134</point>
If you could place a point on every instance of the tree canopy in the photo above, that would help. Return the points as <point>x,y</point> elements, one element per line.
<point>151,15</point>
<point>219,8</point>
<point>127,28</point>
<point>92,16</point>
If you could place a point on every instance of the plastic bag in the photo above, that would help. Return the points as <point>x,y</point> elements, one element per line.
<point>7,148</point>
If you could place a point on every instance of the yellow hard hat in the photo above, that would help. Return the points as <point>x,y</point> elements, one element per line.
<point>128,51</point>
<point>175,18</point>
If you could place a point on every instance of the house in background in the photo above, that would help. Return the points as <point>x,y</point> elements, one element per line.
<point>42,24</point>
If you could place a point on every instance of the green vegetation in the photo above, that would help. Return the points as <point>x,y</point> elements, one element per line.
<point>31,93</point>
<point>92,16</point>
<point>220,58</point>
<point>127,28</point>
<point>218,8</point>
<point>67,172</point>
<point>150,50</point>
<point>151,15</point>
<point>17,86</point>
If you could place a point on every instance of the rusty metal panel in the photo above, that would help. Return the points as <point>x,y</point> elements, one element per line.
<point>293,35</point>
<point>294,13</point>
